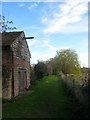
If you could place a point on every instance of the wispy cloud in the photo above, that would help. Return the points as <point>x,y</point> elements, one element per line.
<point>31,0</point>
<point>33,6</point>
<point>32,43</point>
<point>83,56</point>
<point>68,14</point>
<point>47,44</point>
<point>44,50</point>
<point>21,5</point>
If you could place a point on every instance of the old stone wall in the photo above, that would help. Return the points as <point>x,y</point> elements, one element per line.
<point>20,64</point>
<point>16,65</point>
<point>6,72</point>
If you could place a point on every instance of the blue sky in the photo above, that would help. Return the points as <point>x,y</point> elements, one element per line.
<point>54,25</point>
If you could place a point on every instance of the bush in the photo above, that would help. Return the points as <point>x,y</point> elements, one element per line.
<point>40,70</point>
<point>32,76</point>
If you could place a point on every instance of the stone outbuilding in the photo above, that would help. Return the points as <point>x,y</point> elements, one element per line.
<point>15,64</point>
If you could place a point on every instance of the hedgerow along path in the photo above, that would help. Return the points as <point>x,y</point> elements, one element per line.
<point>48,100</point>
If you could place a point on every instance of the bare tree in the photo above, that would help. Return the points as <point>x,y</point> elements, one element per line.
<point>5,24</point>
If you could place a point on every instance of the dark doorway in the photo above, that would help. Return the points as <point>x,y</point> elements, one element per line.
<point>22,79</point>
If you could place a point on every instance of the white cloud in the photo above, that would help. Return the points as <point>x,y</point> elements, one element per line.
<point>32,0</point>
<point>33,6</point>
<point>21,5</point>
<point>68,14</point>
<point>69,29</point>
<point>38,0</point>
<point>83,58</point>
<point>52,47</point>
<point>41,55</point>
<point>44,50</point>
<point>48,51</point>
<point>49,46</point>
<point>85,43</point>
<point>32,43</point>
<point>44,55</point>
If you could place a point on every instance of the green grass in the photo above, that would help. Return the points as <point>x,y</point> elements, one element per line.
<point>48,100</point>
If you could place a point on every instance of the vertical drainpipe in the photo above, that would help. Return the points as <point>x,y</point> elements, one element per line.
<point>12,74</point>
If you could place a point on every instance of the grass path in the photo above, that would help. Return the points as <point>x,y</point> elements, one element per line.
<point>48,100</point>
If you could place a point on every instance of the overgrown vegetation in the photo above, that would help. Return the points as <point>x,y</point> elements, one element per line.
<point>40,70</point>
<point>65,61</point>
